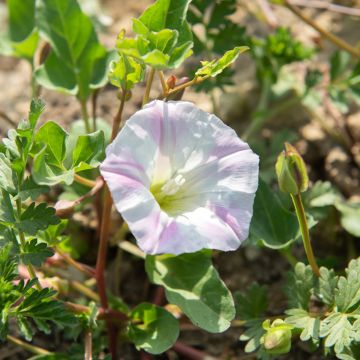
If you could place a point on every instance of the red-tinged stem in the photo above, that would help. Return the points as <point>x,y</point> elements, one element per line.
<point>103,314</point>
<point>190,352</point>
<point>88,270</point>
<point>104,236</point>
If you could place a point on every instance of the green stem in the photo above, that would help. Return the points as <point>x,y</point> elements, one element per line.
<point>35,88</point>
<point>85,115</point>
<point>163,83</point>
<point>30,268</point>
<point>88,345</point>
<point>289,256</point>
<point>148,86</point>
<point>81,180</point>
<point>259,117</point>
<point>300,213</point>
<point>28,347</point>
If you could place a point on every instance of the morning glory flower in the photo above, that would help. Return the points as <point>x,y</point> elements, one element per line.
<point>182,179</point>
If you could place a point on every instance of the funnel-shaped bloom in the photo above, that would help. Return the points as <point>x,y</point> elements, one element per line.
<point>181,179</point>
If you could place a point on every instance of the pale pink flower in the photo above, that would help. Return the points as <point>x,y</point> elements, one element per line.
<point>181,179</point>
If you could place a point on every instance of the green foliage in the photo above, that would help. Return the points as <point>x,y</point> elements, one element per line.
<point>37,217</point>
<point>251,307</point>
<point>163,37</point>
<point>22,37</point>
<point>35,253</point>
<point>218,34</point>
<point>309,325</point>
<point>275,51</point>
<point>126,72</point>
<point>25,304</point>
<point>192,283</point>
<point>272,225</point>
<point>77,62</point>
<point>50,153</point>
<point>323,195</point>
<point>350,214</point>
<point>153,329</point>
<point>216,67</point>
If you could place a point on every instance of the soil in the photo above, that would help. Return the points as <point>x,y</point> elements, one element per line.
<point>326,160</point>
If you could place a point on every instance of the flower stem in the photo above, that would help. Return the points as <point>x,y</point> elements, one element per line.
<point>28,347</point>
<point>88,345</point>
<point>300,213</point>
<point>81,180</point>
<point>331,37</point>
<point>85,115</point>
<point>148,86</point>
<point>104,236</point>
<point>163,83</point>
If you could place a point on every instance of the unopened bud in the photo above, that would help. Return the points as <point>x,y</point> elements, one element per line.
<point>291,171</point>
<point>277,339</point>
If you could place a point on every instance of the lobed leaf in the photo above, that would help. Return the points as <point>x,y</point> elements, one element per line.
<point>37,217</point>
<point>301,319</point>
<point>35,253</point>
<point>215,67</point>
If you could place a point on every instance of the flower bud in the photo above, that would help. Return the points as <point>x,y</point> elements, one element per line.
<point>277,339</point>
<point>291,171</point>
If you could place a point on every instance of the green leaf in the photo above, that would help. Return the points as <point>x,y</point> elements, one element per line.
<point>154,329</point>
<point>55,162</point>
<point>7,181</point>
<point>37,217</point>
<point>168,14</point>
<point>253,303</point>
<point>192,283</point>
<point>272,225</point>
<point>7,216</point>
<point>350,215</point>
<point>30,189</point>
<point>78,62</point>
<point>25,327</point>
<point>126,72</point>
<point>253,334</point>
<point>347,294</point>
<point>325,287</point>
<point>37,107</point>
<point>299,286</point>
<point>301,319</point>
<point>22,35</point>
<point>35,253</point>
<point>40,305</point>
<point>164,38</point>
<point>338,64</point>
<point>215,67</point>
<point>336,330</point>
<point>89,151</point>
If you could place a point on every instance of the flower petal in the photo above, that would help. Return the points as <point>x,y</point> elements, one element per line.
<point>168,139</point>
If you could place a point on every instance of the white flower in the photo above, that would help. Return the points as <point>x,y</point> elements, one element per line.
<point>181,179</point>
